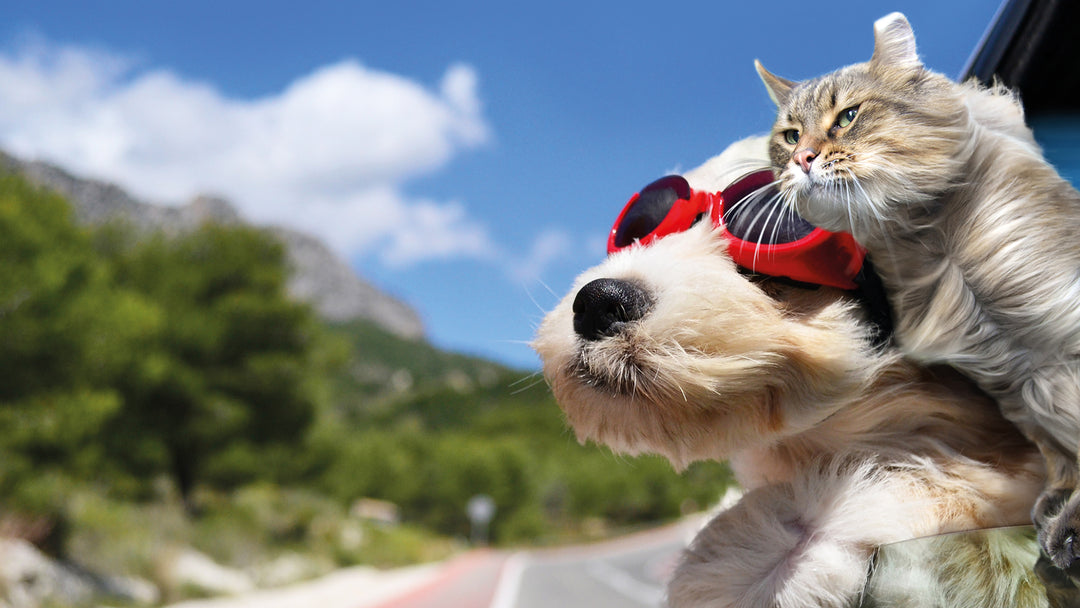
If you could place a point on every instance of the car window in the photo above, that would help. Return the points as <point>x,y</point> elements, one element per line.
<point>1059,136</point>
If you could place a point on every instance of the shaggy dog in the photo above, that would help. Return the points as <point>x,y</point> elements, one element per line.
<point>841,445</point>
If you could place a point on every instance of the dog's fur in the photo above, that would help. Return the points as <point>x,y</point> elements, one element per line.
<point>842,446</point>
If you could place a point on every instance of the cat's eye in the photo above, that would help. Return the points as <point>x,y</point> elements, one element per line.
<point>791,136</point>
<point>847,116</point>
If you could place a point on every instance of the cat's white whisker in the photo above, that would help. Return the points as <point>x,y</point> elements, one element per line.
<point>773,208</point>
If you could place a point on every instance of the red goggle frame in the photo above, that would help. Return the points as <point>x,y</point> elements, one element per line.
<point>762,236</point>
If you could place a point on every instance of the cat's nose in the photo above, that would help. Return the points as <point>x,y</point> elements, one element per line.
<point>805,157</point>
<point>602,308</point>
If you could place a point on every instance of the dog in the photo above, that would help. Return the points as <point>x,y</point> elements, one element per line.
<point>841,444</point>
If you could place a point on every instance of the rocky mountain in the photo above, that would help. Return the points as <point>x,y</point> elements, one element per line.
<point>320,277</point>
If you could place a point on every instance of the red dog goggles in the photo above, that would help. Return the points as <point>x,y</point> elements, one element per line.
<point>762,236</point>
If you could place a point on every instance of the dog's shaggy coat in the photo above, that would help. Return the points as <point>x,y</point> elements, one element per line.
<point>842,446</point>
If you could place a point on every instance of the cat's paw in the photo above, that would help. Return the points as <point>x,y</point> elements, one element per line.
<point>1057,517</point>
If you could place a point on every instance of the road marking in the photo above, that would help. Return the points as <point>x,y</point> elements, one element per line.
<point>506,594</point>
<point>447,573</point>
<point>625,584</point>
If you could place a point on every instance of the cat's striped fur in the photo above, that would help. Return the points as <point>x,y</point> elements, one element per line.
<point>976,236</point>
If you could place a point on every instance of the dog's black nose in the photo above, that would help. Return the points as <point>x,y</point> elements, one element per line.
<point>604,306</point>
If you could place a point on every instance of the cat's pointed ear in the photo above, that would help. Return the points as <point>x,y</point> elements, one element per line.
<point>779,88</point>
<point>894,43</point>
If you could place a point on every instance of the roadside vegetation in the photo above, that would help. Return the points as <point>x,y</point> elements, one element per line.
<point>162,392</point>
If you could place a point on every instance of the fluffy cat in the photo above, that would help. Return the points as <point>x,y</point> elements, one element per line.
<point>973,232</point>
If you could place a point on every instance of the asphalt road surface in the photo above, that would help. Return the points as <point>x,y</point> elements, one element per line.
<point>630,577</point>
<point>629,572</point>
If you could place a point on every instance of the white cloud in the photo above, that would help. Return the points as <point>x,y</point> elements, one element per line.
<point>327,154</point>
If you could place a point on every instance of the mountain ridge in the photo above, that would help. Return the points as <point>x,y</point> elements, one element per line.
<point>319,276</point>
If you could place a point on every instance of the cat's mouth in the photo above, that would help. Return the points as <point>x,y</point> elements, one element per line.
<point>821,200</point>
<point>804,184</point>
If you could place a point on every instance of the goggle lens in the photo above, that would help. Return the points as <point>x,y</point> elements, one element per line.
<point>751,214</point>
<point>653,205</point>
<point>763,235</point>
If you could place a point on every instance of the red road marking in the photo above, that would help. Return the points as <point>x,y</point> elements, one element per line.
<point>467,581</point>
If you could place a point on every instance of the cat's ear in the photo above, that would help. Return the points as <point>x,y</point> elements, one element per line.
<point>779,88</point>
<point>894,43</point>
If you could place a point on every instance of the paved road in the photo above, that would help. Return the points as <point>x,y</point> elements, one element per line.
<point>468,581</point>
<point>629,572</point>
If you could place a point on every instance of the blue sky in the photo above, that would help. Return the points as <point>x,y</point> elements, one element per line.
<point>468,158</point>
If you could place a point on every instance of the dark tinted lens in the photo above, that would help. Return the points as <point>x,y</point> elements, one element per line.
<point>760,217</point>
<point>652,206</point>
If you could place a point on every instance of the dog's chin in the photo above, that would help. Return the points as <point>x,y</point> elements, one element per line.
<point>614,368</point>
<point>622,384</point>
<point>616,412</point>
<point>643,397</point>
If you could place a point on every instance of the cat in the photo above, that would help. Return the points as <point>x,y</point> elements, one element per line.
<point>973,232</point>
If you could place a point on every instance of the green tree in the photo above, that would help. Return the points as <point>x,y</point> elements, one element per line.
<point>231,376</point>
<point>67,333</point>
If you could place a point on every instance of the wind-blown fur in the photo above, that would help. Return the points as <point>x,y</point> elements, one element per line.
<point>841,446</point>
<point>973,232</point>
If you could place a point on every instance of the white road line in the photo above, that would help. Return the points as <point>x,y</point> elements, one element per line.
<point>506,593</point>
<point>625,584</point>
